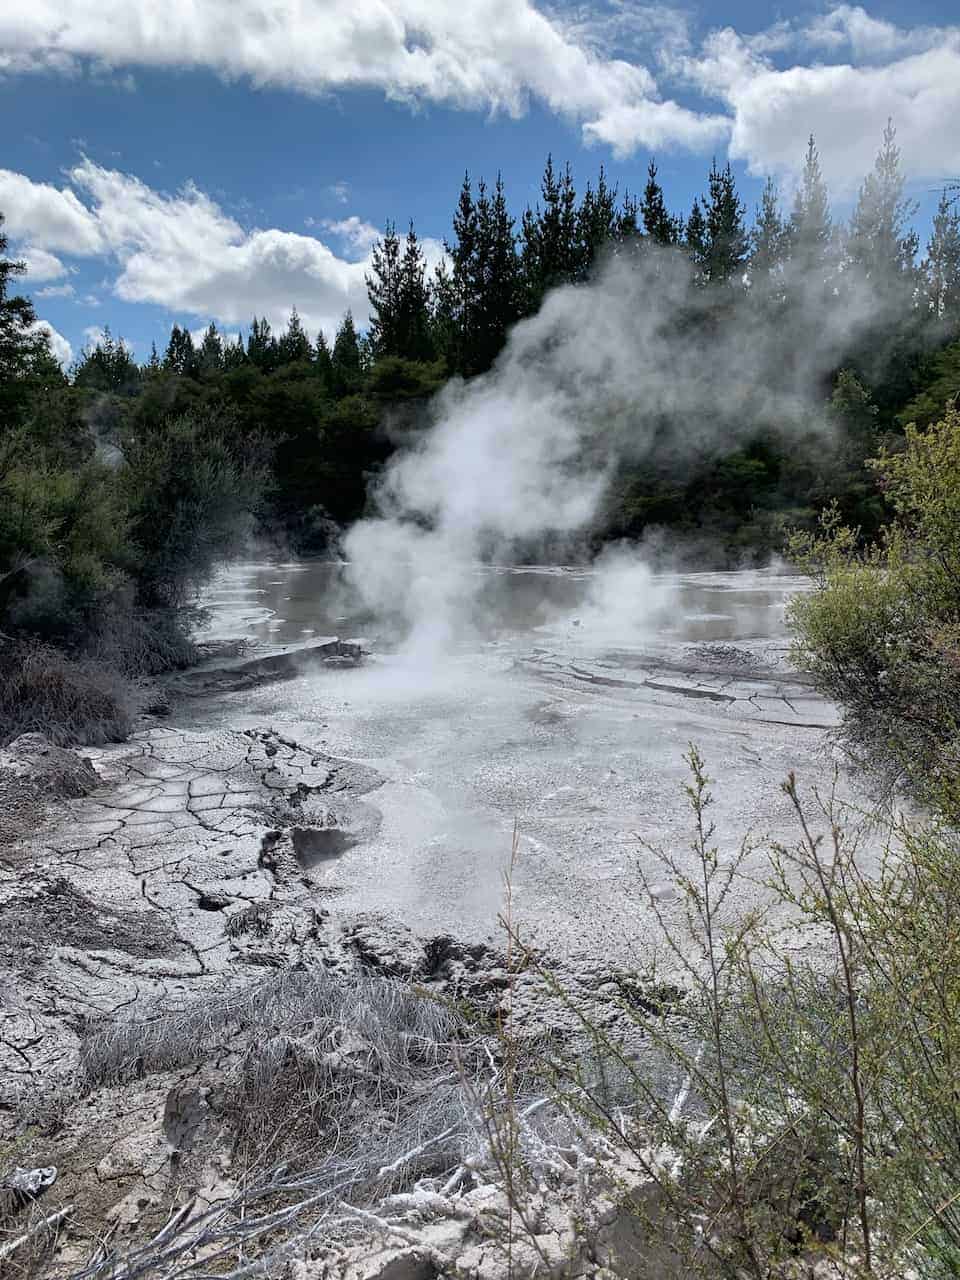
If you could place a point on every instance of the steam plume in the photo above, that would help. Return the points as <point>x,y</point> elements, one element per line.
<point>640,361</point>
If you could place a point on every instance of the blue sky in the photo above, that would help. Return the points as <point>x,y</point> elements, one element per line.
<point>204,159</point>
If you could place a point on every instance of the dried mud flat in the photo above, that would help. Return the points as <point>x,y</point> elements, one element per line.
<point>171,975</point>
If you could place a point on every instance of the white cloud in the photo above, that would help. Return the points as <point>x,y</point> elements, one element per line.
<point>55,291</point>
<point>845,105</point>
<point>60,348</point>
<point>358,234</point>
<point>50,217</point>
<point>40,264</point>
<point>340,192</point>
<point>490,55</point>
<point>851,27</point>
<point>95,334</point>
<point>183,252</point>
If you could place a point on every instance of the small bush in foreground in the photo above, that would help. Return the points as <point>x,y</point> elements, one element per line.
<point>67,700</point>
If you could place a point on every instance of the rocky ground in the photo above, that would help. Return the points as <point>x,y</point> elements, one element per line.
<point>183,1006</point>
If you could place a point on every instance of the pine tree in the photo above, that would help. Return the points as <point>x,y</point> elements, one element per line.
<point>597,221</point>
<point>659,225</point>
<point>727,244</point>
<point>769,237</point>
<point>108,366</point>
<point>695,237</point>
<point>294,345</point>
<point>23,350</point>
<point>941,266</point>
<point>413,304</point>
<point>383,290</point>
<point>262,346</point>
<point>462,301</point>
<point>322,360</point>
<point>502,275</point>
<point>444,317</point>
<point>346,361</point>
<point>153,365</point>
<point>881,242</point>
<point>810,230</point>
<point>627,225</point>
<point>551,250</point>
<point>210,355</point>
<point>180,356</point>
<point>234,353</point>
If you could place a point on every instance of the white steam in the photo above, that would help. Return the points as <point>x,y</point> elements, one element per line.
<point>640,362</point>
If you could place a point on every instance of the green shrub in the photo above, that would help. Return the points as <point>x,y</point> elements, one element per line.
<point>800,1103</point>
<point>881,631</point>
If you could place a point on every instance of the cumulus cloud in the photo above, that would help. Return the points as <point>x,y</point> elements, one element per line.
<point>50,217</point>
<point>912,76</point>
<point>60,348</point>
<point>490,55</point>
<point>358,234</point>
<point>55,291</point>
<point>40,264</point>
<point>850,27</point>
<point>183,252</point>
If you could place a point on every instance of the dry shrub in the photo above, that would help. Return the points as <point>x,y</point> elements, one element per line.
<point>142,642</point>
<point>70,701</point>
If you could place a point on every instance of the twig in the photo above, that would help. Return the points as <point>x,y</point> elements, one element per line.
<point>37,1227</point>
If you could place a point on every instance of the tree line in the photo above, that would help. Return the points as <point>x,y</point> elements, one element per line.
<point>122,476</point>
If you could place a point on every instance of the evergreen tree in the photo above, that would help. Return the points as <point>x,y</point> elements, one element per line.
<point>597,222</point>
<point>210,355</point>
<point>695,237</point>
<point>413,304</point>
<point>941,267</point>
<point>322,360</point>
<point>444,316</point>
<point>383,290</point>
<point>21,347</point>
<point>107,367</point>
<point>627,225</point>
<point>659,225</point>
<point>726,244</point>
<point>262,346</point>
<point>881,241</point>
<point>294,345</point>
<point>234,353</point>
<point>501,279</point>
<point>180,356</point>
<point>153,365</point>
<point>810,230</point>
<point>768,240</point>
<point>462,301</point>
<point>346,360</point>
<point>551,253</point>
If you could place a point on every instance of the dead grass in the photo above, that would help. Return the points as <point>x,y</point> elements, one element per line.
<point>69,701</point>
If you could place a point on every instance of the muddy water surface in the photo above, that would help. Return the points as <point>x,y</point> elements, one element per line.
<point>549,711</point>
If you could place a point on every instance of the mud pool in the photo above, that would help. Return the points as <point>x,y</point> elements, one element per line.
<point>550,712</point>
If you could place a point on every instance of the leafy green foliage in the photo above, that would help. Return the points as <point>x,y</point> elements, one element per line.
<point>881,633</point>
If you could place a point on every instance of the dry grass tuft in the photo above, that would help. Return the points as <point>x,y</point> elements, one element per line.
<point>69,701</point>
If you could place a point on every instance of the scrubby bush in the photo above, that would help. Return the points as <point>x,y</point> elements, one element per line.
<point>800,1103</point>
<point>190,487</point>
<point>881,631</point>
<point>68,700</point>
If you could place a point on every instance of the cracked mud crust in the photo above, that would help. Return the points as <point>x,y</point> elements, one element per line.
<point>128,893</point>
<point>153,929</point>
